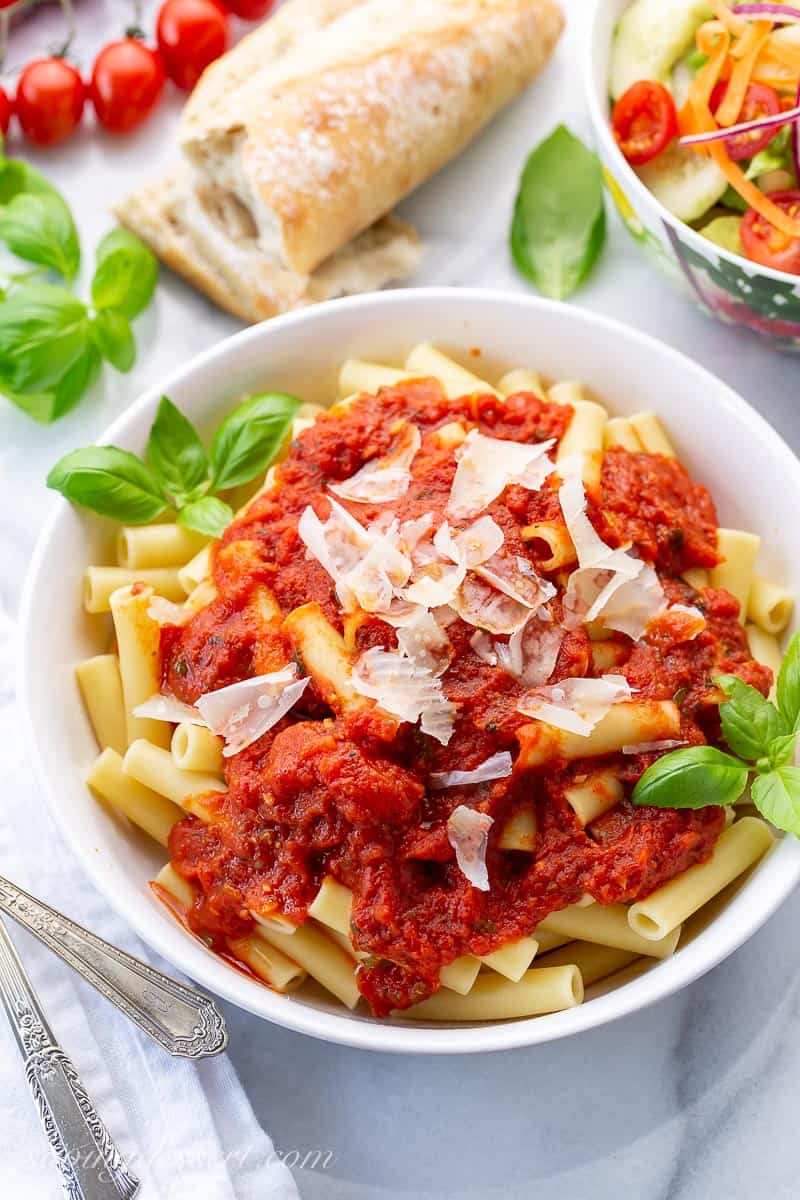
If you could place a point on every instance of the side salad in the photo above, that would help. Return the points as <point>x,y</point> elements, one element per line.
<point>707,112</point>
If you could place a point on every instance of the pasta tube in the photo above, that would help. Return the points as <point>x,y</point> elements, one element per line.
<point>101,687</point>
<point>493,998</point>
<point>607,924</point>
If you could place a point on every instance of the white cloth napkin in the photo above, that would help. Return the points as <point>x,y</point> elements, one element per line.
<point>186,1130</point>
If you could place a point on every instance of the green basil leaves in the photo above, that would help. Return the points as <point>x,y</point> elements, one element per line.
<point>762,738</point>
<point>559,224</point>
<point>51,343</point>
<point>178,473</point>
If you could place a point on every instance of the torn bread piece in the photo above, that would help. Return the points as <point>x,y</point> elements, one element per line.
<point>332,111</point>
<point>206,236</point>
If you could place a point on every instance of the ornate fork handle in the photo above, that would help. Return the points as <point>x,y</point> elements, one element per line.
<point>181,1020</point>
<point>91,1166</point>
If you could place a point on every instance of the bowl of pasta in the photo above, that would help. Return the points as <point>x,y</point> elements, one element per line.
<point>388,690</point>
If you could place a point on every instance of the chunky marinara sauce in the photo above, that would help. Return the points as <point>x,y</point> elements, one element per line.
<point>326,794</point>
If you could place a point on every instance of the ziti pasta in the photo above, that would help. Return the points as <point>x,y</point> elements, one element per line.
<point>390,732</point>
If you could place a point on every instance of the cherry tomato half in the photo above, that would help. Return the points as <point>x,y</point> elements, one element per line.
<point>127,82</point>
<point>759,101</point>
<point>6,108</point>
<point>250,10</point>
<point>644,121</point>
<point>764,244</point>
<point>49,101</point>
<point>191,34</point>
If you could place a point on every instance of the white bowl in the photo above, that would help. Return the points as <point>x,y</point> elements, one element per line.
<point>725,285</point>
<point>754,478</point>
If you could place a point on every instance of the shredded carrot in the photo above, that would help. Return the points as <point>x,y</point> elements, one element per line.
<point>751,194</point>
<point>707,77</point>
<point>735,25</point>
<point>751,45</point>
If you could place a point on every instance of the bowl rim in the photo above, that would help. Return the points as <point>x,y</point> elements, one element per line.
<point>743,915</point>
<point>602,128</point>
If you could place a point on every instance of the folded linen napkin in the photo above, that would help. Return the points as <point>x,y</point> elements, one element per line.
<point>187,1130</point>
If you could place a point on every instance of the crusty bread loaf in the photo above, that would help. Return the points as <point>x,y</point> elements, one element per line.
<point>207,238</point>
<point>333,110</point>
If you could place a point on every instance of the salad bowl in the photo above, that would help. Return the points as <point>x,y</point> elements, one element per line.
<point>723,284</point>
<point>752,473</point>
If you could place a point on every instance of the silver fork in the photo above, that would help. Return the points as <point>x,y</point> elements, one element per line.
<point>181,1020</point>
<point>91,1166</point>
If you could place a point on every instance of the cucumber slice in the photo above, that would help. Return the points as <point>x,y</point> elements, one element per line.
<point>686,183</point>
<point>650,38</point>
<point>724,232</point>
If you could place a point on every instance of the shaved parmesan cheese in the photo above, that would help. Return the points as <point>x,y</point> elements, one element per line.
<point>468,834</point>
<point>479,541</point>
<point>487,465</point>
<point>576,705</point>
<point>590,548</point>
<point>386,478</point>
<point>530,654</point>
<point>516,578</point>
<point>695,619</point>
<point>652,747</point>
<point>480,604</point>
<point>412,532</point>
<point>367,565</point>
<point>633,605</point>
<point>499,766</point>
<point>242,712</point>
<point>405,689</point>
<point>422,639</point>
<point>167,708</point>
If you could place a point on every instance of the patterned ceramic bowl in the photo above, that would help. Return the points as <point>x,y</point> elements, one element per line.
<point>726,285</point>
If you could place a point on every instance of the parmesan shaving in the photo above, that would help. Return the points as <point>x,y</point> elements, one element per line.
<point>405,689</point>
<point>167,708</point>
<point>576,705</point>
<point>530,654</point>
<point>499,766</point>
<point>468,834</point>
<point>487,465</point>
<point>422,639</point>
<point>243,712</point>
<point>367,565</point>
<point>386,478</point>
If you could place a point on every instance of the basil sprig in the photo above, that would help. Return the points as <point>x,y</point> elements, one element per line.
<point>762,737</point>
<point>51,343</point>
<point>178,474</point>
<point>559,223</point>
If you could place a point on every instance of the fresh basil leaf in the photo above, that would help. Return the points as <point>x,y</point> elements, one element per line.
<point>125,275</point>
<point>781,749</point>
<point>749,722</point>
<point>46,407</point>
<point>175,453</point>
<point>559,223</point>
<point>789,684</point>
<point>43,331</point>
<point>249,438</point>
<point>692,778</point>
<point>209,515</point>
<point>777,797</point>
<point>39,228</point>
<point>112,482</point>
<point>113,337</point>
<point>17,177</point>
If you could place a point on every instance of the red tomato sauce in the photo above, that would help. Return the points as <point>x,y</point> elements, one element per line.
<point>326,794</point>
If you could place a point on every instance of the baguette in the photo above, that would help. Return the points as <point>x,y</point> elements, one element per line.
<point>210,243</point>
<point>333,110</point>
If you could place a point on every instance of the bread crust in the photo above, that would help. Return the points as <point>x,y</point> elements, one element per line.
<point>226,262</point>
<point>335,126</point>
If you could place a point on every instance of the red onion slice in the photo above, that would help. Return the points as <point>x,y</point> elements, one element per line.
<point>795,144</point>
<point>730,131</point>
<point>776,12</point>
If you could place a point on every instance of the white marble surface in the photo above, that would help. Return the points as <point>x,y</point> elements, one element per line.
<point>694,1099</point>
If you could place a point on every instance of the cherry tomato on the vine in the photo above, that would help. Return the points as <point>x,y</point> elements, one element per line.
<point>49,101</point>
<point>127,82</point>
<point>6,109</point>
<point>191,34</point>
<point>250,10</point>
